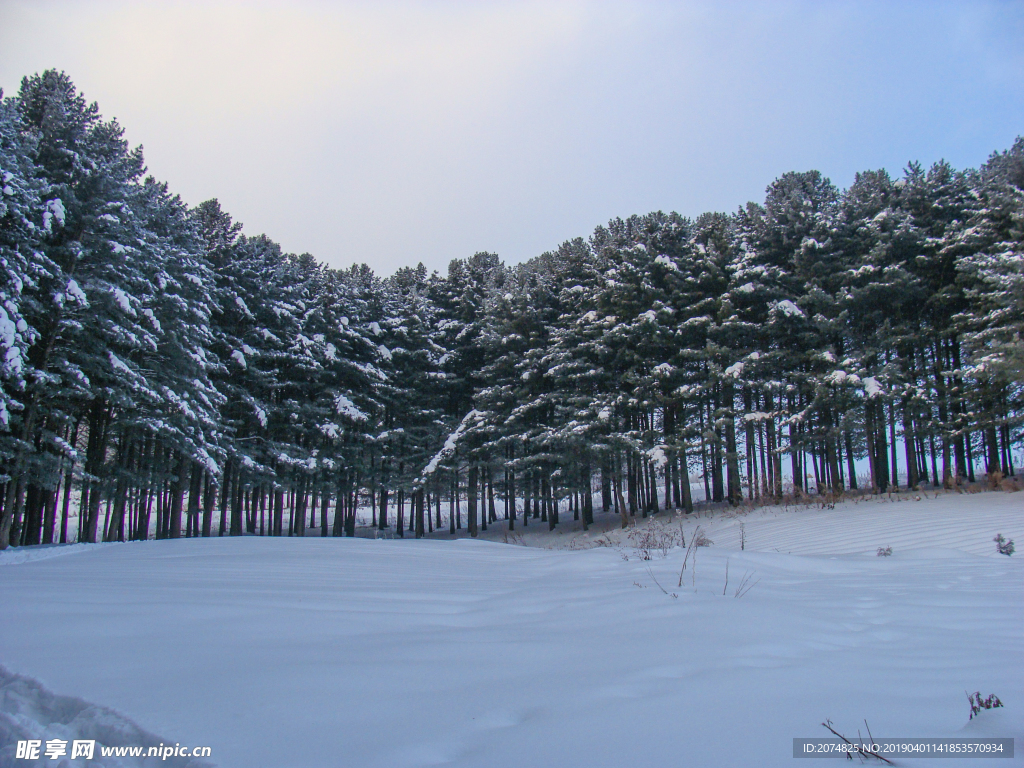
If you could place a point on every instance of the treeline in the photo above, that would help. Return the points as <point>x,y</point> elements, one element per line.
<point>167,375</point>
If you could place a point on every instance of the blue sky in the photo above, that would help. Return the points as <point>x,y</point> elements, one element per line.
<point>397,132</point>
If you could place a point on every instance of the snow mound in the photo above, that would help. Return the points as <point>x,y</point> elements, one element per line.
<point>29,711</point>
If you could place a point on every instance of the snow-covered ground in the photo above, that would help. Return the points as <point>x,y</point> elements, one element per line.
<point>909,520</point>
<point>356,652</point>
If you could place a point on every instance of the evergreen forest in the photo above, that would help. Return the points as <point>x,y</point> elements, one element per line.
<point>165,375</point>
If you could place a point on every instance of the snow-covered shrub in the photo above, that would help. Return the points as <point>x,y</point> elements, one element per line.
<point>1004,546</point>
<point>884,551</point>
<point>653,537</point>
<point>978,703</point>
<point>701,539</point>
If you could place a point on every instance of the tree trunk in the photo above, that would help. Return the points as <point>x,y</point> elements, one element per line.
<point>418,502</point>
<point>895,479</point>
<point>849,460</point>
<point>208,503</point>
<point>869,440</point>
<point>471,490</point>
<point>225,489</point>
<point>453,500</point>
<point>195,492</point>
<point>623,513</point>
<point>992,463</point>
<point>340,510</point>
<point>66,508</point>
<point>909,445</point>
<point>483,499</point>
<point>510,498</point>
<point>177,496</point>
<point>382,513</point>
<point>684,471</point>
<point>491,516</point>
<point>300,506</point>
<point>732,460</point>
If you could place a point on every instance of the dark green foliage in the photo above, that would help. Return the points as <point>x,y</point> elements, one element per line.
<point>166,374</point>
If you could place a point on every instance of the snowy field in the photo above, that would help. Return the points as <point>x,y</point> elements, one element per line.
<point>358,652</point>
